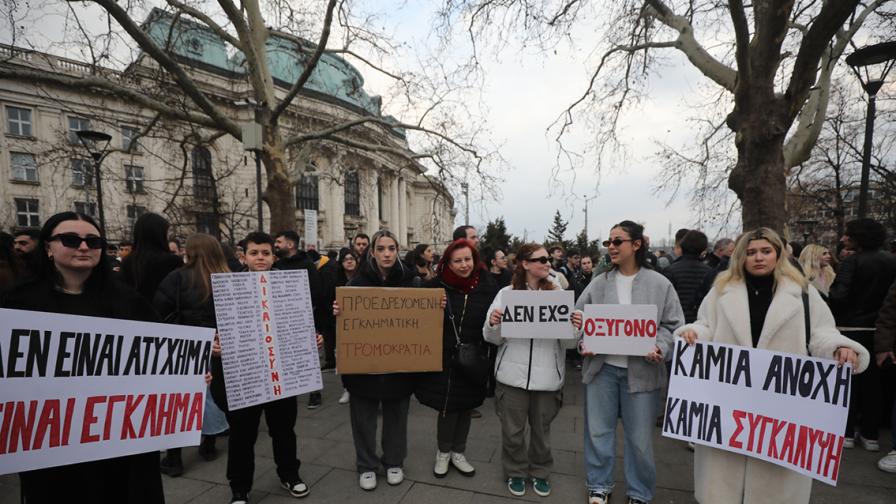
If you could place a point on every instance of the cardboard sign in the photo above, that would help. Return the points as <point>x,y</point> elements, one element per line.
<point>619,329</point>
<point>786,409</point>
<point>537,314</point>
<point>389,330</point>
<point>268,341</point>
<point>76,389</point>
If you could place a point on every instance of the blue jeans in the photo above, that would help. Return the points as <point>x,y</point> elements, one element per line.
<point>605,397</point>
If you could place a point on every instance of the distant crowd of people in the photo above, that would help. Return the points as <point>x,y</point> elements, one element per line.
<point>742,291</point>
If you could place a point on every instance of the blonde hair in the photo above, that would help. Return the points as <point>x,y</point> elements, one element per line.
<point>204,257</point>
<point>736,272</point>
<point>810,260</point>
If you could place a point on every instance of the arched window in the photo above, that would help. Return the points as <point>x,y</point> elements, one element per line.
<point>203,181</point>
<point>352,194</point>
<point>307,193</point>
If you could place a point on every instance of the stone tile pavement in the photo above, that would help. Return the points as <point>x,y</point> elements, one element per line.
<point>327,454</point>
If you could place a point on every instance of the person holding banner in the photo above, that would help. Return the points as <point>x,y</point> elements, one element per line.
<point>461,385</point>
<point>530,374</point>
<point>280,415</point>
<point>380,267</point>
<point>73,276</point>
<point>760,302</point>
<point>185,298</point>
<point>626,385</point>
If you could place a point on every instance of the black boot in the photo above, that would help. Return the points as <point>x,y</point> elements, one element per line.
<point>207,449</point>
<point>171,463</point>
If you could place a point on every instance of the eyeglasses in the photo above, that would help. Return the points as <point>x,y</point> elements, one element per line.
<point>615,241</point>
<point>74,241</point>
<point>542,259</point>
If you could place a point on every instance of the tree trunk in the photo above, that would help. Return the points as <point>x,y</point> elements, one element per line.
<point>279,192</point>
<point>759,179</point>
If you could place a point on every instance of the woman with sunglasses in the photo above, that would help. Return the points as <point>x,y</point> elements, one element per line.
<point>74,277</point>
<point>758,302</point>
<point>626,386</point>
<point>529,374</point>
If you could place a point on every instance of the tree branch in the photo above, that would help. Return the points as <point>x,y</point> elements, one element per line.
<point>168,63</point>
<point>310,65</point>
<point>208,21</point>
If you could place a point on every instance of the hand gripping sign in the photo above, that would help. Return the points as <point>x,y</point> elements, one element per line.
<point>537,314</point>
<point>619,329</point>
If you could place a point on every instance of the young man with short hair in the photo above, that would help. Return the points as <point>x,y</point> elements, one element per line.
<point>280,415</point>
<point>468,232</point>
<point>359,245</point>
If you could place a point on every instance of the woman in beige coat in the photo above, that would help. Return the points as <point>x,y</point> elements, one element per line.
<point>758,303</point>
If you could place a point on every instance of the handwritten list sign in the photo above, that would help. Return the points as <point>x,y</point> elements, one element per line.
<point>266,327</point>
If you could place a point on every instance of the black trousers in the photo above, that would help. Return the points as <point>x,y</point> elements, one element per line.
<point>329,346</point>
<point>866,401</point>
<point>452,430</point>
<point>280,416</point>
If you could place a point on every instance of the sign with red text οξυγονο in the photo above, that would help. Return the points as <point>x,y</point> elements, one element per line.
<point>75,389</point>
<point>619,329</point>
<point>537,314</point>
<point>388,330</point>
<point>782,408</point>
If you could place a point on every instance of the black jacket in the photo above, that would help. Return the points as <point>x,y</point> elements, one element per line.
<point>448,390</point>
<point>177,293</point>
<point>390,385</point>
<point>686,274</point>
<point>708,279</point>
<point>132,478</point>
<point>151,275</point>
<point>302,261</point>
<point>860,287</point>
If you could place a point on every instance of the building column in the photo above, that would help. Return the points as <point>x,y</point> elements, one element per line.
<point>403,212</point>
<point>394,217</point>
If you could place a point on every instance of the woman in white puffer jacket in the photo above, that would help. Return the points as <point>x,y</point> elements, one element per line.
<point>529,375</point>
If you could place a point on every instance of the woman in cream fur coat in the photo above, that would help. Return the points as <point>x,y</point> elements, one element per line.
<point>758,303</point>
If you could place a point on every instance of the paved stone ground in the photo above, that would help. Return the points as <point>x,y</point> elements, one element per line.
<point>327,454</point>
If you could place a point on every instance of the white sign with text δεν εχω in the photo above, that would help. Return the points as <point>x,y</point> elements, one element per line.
<point>619,329</point>
<point>786,409</point>
<point>76,389</point>
<point>537,314</point>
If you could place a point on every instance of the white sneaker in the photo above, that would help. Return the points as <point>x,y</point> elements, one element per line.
<point>888,463</point>
<point>441,468</point>
<point>869,444</point>
<point>394,475</point>
<point>849,442</point>
<point>460,463</point>
<point>343,399</point>
<point>367,480</point>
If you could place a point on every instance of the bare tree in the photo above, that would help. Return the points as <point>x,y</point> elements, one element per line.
<point>769,62</point>
<point>165,84</point>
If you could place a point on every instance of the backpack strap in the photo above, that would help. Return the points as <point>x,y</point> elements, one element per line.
<point>805,297</point>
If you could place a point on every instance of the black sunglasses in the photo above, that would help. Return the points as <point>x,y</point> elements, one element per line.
<point>542,259</point>
<point>616,242</point>
<point>73,241</point>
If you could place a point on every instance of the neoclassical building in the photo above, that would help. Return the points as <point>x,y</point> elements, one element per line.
<point>199,180</point>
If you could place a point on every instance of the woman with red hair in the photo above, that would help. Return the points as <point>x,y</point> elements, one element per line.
<point>461,384</point>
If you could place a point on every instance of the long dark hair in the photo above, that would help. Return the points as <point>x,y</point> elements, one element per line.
<point>519,273</point>
<point>100,276</point>
<point>150,242</point>
<point>635,232</point>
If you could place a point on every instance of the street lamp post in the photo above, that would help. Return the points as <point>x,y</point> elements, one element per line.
<point>253,141</point>
<point>587,199</point>
<point>92,140</point>
<point>871,65</point>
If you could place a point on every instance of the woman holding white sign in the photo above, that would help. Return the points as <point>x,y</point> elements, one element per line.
<point>530,374</point>
<point>381,267</point>
<point>74,277</point>
<point>623,385</point>
<point>760,302</point>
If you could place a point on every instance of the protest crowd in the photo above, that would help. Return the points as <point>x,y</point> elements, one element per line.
<point>755,291</point>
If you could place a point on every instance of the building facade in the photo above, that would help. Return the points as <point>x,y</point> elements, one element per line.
<point>200,180</point>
